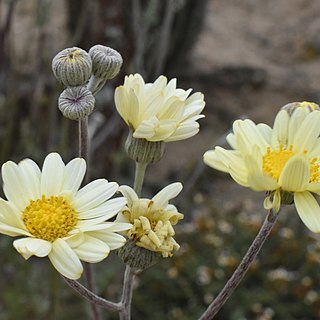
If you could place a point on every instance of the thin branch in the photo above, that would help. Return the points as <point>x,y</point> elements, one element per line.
<point>242,269</point>
<point>84,153</point>
<point>91,297</point>
<point>129,275</point>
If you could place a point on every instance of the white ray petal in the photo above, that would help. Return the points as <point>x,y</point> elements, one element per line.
<point>52,175</point>
<point>65,260</point>
<point>308,210</point>
<point>28,247</point>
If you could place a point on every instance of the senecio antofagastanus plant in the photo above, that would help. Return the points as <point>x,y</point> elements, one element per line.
<point>51,215</point>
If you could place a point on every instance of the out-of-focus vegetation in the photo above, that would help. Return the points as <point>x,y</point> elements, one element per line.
<point>154,37</point>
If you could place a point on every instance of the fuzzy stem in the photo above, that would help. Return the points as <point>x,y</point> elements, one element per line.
<point>84,153</point>
<point>83,139</point>
<point>129,275</point>
<point>90,296</point>
<point>95,84</point>
<point>139,176</point>
<point>241,270</point>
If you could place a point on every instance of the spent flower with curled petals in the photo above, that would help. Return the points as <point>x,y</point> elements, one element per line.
<point>158,111</point>
<point>57,220</point>
<point>152,219</point>
<point>283,160</point>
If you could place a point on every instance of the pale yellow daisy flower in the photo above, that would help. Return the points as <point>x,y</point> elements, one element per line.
<point>152,219</point>
<point>57,220</point>
<point>283,160</point>
<point>158,111</point>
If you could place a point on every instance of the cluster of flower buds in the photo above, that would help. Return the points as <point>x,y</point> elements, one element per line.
<point>83,74</point>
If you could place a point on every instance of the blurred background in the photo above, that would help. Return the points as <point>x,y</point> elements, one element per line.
<point>249,58</point>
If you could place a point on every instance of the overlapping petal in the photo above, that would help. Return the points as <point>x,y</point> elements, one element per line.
<point>282,159</point>
<point>85,233</point>
<point>158,111</point>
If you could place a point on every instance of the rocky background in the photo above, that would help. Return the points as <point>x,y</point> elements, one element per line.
<point>249,58</point>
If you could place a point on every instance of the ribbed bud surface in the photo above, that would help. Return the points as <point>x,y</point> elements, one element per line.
<point>137,257</point>
<point>72,67</point>
<point>106,62</point>
<point>144,151</point>
<point>76,103</point>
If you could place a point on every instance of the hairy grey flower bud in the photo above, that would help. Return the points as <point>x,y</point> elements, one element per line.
<point>76,103</point>
<point>137,257</point>
<point>106,62</point>
<point>72,67</point>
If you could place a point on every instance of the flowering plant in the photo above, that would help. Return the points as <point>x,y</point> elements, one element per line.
<point>55,216</point>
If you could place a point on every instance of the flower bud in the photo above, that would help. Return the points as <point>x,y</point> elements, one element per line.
<point>291,107</point>
<point>76,103</point>
<point>72,67</point>
<point>144,151</point>
<point>106,62</point>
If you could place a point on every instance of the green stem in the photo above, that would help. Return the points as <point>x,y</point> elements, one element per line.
<point>242,268</point>
<point>139,177</point>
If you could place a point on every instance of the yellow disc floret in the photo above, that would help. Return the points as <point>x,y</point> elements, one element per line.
<point>49,218</point>
<point>314,170</point>
<point>275,160</point>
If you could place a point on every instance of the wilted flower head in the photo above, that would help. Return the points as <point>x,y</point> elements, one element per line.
<point>57,220</point>
<point>158,111</point>
<point>283,160</point>
<point>152,219</point>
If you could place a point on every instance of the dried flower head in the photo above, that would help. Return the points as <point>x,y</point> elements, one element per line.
<point>152,219</point>
<point>72,67</point>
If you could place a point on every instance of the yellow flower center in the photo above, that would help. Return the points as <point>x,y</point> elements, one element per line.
<point>49,218</point>
<point>274,161</point>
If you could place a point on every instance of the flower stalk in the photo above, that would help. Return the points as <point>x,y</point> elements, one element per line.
<point>129,275</point>
<point>83,139</point>
<point>92,297</point>
<point>242,268</point>
<point>139,176</point>
<point>125,312</point>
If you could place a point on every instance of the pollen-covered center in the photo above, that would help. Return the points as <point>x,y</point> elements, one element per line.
<point>49,218</point>
<point>274,161</point>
